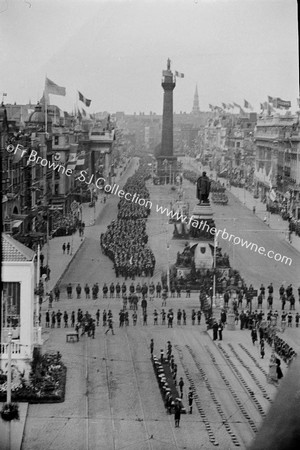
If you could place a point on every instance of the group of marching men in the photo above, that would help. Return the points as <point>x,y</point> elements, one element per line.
<point>125,241</point>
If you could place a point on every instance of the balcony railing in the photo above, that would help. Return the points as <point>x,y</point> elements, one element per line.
<point>16,348</point>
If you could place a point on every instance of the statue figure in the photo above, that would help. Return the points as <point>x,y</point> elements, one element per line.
<point>203,188</point>
<point>168,64</point>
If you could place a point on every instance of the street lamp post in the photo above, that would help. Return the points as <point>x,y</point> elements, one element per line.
<point>168,268</point>
<point>37,285</point>
<point>8,393</point>
<point>213,302</point>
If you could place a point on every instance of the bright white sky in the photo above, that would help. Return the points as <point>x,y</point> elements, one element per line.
<point>114,51</point>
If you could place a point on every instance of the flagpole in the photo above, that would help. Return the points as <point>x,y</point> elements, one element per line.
<point>46,115</point>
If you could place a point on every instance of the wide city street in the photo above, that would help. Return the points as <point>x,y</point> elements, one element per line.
<point>113,400</point>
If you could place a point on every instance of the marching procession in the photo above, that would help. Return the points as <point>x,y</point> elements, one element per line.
<point>136,259</point>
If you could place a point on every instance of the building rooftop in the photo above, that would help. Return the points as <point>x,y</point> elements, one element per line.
<point>13,250</point>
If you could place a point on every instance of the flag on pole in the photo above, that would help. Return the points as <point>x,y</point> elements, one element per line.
<point>281,104</point>
<point>179,74</point>
<point>84,100</point>
<point>80,159</point>
<point>72,161</point>
<point>271,99</point>
<point>247,105</point>
<point>52,88</point>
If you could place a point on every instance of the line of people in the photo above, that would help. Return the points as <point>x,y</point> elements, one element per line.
<point>57,319</point>
<point>136,259</point>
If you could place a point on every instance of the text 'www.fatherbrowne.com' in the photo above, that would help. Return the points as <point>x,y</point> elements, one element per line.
<point>236,240</point>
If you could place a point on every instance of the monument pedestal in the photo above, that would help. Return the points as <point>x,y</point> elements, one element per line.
<point>231,321</point>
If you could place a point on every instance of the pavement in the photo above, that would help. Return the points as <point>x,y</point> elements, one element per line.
<point>11,433</point>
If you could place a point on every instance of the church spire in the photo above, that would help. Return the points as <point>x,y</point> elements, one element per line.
<point>196,109</point>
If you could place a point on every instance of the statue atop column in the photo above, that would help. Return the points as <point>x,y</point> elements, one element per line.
<point>203,188</point>
<point>168,64</point>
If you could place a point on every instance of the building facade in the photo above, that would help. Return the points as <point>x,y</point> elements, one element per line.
<point>18,307</point>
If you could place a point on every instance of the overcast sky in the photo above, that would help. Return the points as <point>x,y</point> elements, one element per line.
<point>114,51</point>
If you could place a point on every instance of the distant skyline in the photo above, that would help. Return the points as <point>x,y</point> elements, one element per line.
<point>114,52</point>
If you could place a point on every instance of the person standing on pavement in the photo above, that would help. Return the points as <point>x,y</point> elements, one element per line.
<point>104,317</point>
<point>190,399</point>
<point>87,291</point>
<point>134,318</point>
<point>53,319</point>
<point>151,347</point>
<point>164,297</point>
<point>145,317</point>
<point>58,318</point>
<point>98,317</point>
<point>199,316</point>
<point>64,248</point>
<point>254,335</point>
<point>283,300</point>
<point>47,319</point>
<point>262,348</point>
<point>66,319</point>
<point>177,412</point>
<point>181,384</point>
<point>215,331</point>
<point>68,248</point>
<point>118,290</point>
<point>111,290</point>
<point>144,305</point>
<point>69,290</point>
<point>158,290</point>
<point>170,318</point>
<point>56,293</point>
<point>110,326</point>
<point>105,290</point>
<point>262,291</point>
<point>220,330</point>
<point>193,316</point>
<point>73,319</point>
<point>78,291</point>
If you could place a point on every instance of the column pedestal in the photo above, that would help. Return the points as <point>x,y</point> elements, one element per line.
<point>231,321</point>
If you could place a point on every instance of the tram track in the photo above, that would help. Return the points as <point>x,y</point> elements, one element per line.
<point>243,382</point>
<point>250,372</point>
<point>138,391</point>
<point>108,382</point>
<point>232,435</point>
<point>211,435</point>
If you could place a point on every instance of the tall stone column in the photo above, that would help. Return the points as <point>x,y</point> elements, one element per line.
<point>165,158</point>
<point>167,124</point>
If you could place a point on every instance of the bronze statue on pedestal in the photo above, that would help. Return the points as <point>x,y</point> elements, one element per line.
<point>203,188</point>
